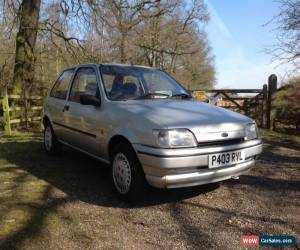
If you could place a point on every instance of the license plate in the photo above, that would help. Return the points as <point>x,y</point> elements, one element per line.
<point>226,158</point>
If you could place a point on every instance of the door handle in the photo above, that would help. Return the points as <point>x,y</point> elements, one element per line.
<point>66,108</point>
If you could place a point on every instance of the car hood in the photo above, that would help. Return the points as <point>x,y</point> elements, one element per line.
<point>206,121</point>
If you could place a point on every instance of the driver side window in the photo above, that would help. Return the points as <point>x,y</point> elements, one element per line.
<point>85,82</point>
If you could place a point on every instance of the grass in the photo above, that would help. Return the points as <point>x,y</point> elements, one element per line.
<point>280,137</point>
<point>24,197</point>
<point>35,188</point>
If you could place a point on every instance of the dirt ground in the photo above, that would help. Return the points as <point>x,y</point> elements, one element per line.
<point>67,202</point>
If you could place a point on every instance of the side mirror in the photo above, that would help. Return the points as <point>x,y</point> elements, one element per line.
<point>90,100</point>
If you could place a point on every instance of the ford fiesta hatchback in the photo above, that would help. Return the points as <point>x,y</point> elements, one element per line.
<point>147,127</point>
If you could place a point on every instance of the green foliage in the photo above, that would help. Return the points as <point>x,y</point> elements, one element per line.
<point>286,102</point>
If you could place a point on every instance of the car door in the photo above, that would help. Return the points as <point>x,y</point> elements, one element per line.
<point>83,121</point>
<point>57,101</point>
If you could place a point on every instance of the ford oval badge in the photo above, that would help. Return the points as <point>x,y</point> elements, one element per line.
<point>224,134</point>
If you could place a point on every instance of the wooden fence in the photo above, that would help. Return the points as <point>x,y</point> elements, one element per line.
<point>17,110</point>
<point>251,105</point>
<point>256,103</point>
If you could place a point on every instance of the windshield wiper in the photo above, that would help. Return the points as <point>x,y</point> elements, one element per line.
<point>151,95</point>
<point>182,95</point>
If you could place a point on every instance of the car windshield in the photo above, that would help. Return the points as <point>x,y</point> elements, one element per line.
<point>130,82</point>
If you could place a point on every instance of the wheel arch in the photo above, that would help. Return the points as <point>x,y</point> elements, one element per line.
<point>114,141</point>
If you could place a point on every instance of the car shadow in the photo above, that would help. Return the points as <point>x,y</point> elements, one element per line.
<point>83,178</point>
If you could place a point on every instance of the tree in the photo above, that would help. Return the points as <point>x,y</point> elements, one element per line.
<point>287,48</point>
<point>7,48</point>
<point>28,15</point>
<point>121,17</point>
<point>174,42</point>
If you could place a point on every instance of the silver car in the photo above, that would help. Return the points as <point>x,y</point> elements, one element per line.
<point>147,127</point>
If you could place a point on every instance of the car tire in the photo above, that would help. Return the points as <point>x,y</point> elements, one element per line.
<point>51,145</point>
<point>127,173</point>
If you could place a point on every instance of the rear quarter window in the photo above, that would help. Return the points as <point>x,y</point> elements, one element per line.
<point>60,88</point>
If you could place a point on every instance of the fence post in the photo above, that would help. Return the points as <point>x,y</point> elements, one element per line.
<point>6,117</point>
<point>272,87</point>
<point>264,106</point>
<point>26,104</point>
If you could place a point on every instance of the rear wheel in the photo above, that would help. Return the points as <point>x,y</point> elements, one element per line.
<point>127,173</point>
<point>51,144</point>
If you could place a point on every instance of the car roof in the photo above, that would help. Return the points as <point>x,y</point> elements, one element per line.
<point>108,64</point>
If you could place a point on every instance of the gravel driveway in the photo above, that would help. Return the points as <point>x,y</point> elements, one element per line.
<point>67,202</point>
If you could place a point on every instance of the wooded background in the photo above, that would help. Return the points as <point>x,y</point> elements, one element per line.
<point>37,40</point>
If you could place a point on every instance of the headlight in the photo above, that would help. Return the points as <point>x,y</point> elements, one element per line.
<point>251,131</point>
<point>174,138</point>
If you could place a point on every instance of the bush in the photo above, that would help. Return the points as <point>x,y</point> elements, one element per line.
<point>286,103</point>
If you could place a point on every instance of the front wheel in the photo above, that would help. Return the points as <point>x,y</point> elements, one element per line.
<point>127,173</point>
<point>51,144</point>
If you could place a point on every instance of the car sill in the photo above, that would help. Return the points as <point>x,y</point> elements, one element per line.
<point>85,152</point>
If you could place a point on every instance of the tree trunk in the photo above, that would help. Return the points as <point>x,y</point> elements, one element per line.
<point>122,47</point>
<point>25,42</point>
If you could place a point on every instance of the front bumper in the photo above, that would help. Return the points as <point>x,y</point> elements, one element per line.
<point>172,168</point>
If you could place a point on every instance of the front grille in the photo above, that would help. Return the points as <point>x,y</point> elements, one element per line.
<point>221,142</point>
